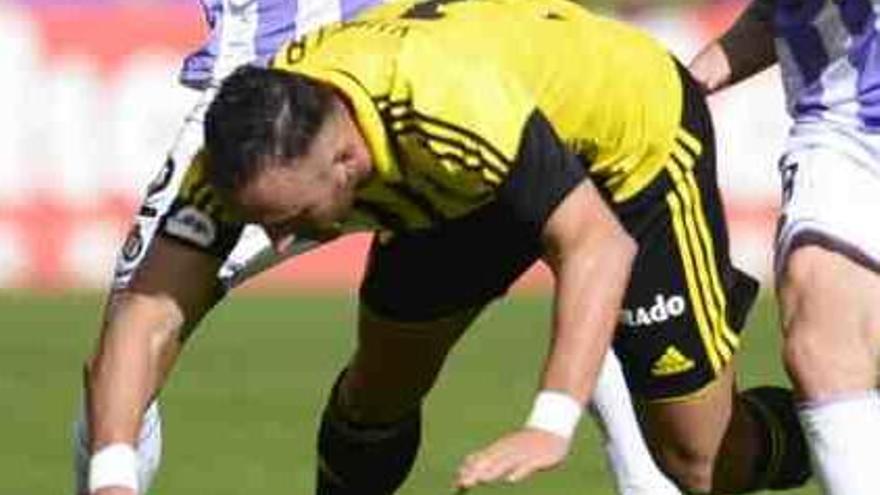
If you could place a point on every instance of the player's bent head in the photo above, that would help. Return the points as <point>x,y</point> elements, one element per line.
<point>260,114</point>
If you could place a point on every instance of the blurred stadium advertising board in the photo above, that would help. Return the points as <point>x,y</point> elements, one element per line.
<point>91,105</point>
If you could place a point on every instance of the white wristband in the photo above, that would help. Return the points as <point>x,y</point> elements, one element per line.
<point>555,412</point>
<point>113,465</point>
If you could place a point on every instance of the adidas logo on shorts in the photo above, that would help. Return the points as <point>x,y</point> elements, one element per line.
<point>672,362</point>
<point>663,309</point>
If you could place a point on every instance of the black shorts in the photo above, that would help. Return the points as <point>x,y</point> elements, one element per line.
<point>686,302</point>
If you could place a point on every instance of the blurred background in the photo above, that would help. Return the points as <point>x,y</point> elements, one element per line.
<point>89,105</point>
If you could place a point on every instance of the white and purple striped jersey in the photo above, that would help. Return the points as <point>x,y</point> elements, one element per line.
<point>830,58</point>
<point>249,31</point>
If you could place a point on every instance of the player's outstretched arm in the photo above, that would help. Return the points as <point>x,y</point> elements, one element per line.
<point>140,340</point>
<point>590,255</point>
<point>742,51</point>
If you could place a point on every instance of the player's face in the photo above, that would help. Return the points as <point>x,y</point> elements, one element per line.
<point>309,195</point>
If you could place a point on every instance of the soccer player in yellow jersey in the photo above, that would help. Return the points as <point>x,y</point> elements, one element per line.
<point>476,137</point>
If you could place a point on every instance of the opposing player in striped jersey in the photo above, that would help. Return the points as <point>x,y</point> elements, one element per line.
<point>827,247</point>
<point>240,32</point>
<point>472,155</point>
<point>251,32</point>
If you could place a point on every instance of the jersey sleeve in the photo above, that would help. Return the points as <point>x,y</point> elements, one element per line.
<point>545,172</point>
<point>483,119</point>
<point>198,215</point>
<point>470,111</point>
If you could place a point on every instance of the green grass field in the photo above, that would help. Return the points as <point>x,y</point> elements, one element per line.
<point>240,412</point>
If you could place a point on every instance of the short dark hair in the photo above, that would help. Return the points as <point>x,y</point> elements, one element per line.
<point>260,113</point>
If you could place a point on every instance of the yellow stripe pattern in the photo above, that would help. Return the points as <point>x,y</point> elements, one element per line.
<point>697,250</point>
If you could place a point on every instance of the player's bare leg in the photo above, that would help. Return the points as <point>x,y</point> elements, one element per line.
<point>720,441</point>
<point>371,428</point>
<point>831,325</point>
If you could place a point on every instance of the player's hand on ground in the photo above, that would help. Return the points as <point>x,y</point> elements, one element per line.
<point>711,68</point>
<point>512,458</point>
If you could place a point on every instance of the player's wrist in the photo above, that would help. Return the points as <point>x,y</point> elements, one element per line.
<point>115,466</point>
<point>555,412</point>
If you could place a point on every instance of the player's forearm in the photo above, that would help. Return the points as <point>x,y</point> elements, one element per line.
<point>590,283</point>
<point>138,344</point>
<point>171,291</point>
<point>749,43</point>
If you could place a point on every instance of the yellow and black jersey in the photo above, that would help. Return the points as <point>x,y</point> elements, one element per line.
<point>446,90</point>
<point>481,116</point>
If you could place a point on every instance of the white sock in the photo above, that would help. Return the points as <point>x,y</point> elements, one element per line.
<point>635,472</point>
<point>844,439</point>
<point>149,449</point>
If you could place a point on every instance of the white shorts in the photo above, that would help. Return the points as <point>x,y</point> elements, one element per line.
<point>831,192</point>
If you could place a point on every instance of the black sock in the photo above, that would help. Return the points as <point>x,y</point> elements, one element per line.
<point>356,459</point>
<point>784,463</point>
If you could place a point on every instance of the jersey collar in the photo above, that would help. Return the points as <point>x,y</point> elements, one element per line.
<point>368,118</point>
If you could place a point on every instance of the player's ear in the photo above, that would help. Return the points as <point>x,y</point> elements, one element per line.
<point>346,162</point>
<point>340,166</point>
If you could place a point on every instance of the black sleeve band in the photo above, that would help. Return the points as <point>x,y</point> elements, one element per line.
<point>749,44</point>
<point>542,176</point>
<point>193,226</point>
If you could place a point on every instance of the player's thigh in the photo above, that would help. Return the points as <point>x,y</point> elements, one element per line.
<point>827,265</point>
<point>396,363</point>
<point>831,321</point>
<point>691,429</point>
<point>423,289</point>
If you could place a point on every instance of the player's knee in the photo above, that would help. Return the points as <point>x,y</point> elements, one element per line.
<point>824,362</point>
<point>369,404</point>
<point>369,409</point>
<point>688,466</point>
<point>808,351</point>
<point>372,404</point>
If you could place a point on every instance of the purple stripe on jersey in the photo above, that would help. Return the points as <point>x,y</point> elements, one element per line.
<point>854,14</point>
<point>351,8</point>
<point>277,23</point>
<point>274,31</point>
<point>865,57</point>
<point>794,25</point>
<point>198,67</point>
<point>810,104</point>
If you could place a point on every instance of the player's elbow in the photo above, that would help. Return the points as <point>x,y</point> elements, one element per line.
<point>619,251</point>
<point>625,246</point>
<point>142,329</point>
